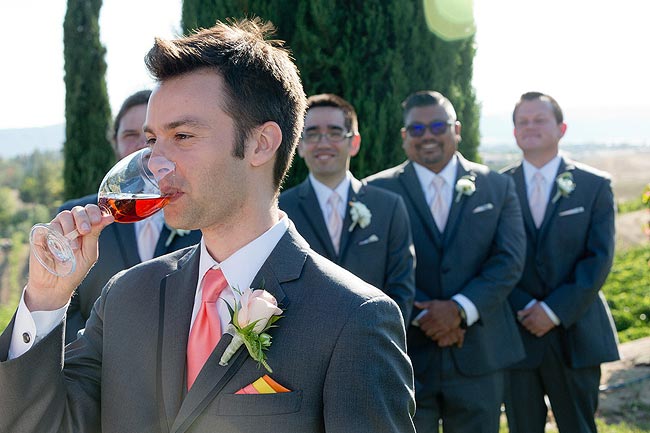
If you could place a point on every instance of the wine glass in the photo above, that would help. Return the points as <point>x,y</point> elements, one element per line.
<point>130,191</point>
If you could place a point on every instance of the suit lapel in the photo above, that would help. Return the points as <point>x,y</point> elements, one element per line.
<point>284,264</point>
<point>457,207</point>
<point>411,185</point>
<point>161,248</point>
<point>128,244</point>
<point>355,193</point>
<point>521,189</point>
<point>551,207</point>
<point>311,210</point>
<point>177,301</point>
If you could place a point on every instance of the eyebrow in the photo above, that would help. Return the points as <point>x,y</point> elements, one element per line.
<point>313,128</point>
<point>188,121</point>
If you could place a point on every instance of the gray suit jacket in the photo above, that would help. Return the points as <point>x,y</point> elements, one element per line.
<point>567,261</point>
<point>480,254</point>
<point>380,254</point>
<point>339,348</point>
<point>118,250</point>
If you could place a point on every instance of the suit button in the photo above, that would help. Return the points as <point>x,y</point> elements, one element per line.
<point>26,337</point>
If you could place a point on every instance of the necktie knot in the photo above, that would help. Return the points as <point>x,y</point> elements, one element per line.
<point>214,282</point>
<point>438,183</point>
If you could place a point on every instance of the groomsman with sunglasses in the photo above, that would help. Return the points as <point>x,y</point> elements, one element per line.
<point>470,244</point>
<point>565,323</point>
<point>361,228</point>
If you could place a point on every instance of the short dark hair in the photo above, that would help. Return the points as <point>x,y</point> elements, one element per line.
<point>332,100</point>
<point>138,98</point>
<point>532,96</point>
<point>424,98</point>
<point>261,81</point>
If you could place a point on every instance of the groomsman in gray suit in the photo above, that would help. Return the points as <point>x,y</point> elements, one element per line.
<point>158,353</point>
<point>470,244</point>
<point>564,321</point>
<point>123,245</point>
<point>362,228</point>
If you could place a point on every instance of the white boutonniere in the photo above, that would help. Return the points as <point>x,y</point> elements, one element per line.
<point>360,214</point>
<point>251,317</point>
<point>175,232</point>
<point>465,186</point>
<point>565,185</point>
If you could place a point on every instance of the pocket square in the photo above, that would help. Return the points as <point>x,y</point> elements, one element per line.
<point>573,211</point>
<point>263,385</point>
<point>483,208</point>
<point>370,239</point>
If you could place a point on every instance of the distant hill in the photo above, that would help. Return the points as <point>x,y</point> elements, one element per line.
<point>24,141</point>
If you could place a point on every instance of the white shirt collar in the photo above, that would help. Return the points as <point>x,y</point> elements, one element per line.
<point>242,266</point>
<point>323,192</point>
<point>425,176</point>
<point>548,170</point>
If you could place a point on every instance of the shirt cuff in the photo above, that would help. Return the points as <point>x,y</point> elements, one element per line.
<point>468,306</point>
<point>31,327</point>
<point>551,315</point>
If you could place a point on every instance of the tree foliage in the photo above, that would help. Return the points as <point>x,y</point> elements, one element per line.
<point>373,53</point>
<point>87,149</point>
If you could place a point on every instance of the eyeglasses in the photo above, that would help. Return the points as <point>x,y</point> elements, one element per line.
<point>334,136</point>
<point>436,128</point>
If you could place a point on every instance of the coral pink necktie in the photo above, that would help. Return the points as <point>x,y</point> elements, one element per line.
<point>206,331</point>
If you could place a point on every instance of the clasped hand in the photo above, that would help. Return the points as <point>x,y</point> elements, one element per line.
<point>441,323</point>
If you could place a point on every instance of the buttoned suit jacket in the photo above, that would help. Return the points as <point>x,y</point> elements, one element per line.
<point>118,250</point>
<point>380,254</point>
<point>480,255</point>
<point>567,261</point>
<point>339,347</point>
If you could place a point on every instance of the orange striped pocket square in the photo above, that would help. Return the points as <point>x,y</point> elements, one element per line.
<point>263,385</point>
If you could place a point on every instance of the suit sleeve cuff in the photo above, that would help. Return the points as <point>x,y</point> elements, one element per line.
<point>31,327</point>
<point>469,307</point>
<point>551,315</point>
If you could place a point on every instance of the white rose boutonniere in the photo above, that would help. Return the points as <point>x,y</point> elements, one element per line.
<point>175,232</point>
<point>255,313</point>
<point>565,185</point>
<point>465,186</point>
<point>360,214</point>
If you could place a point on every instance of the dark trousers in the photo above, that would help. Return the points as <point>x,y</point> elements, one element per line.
<point>461,404</point>
<point>572,392</point>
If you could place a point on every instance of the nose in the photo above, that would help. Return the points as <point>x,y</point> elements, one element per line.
<point>159,165</point>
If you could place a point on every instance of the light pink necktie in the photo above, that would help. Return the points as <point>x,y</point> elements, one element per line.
<point>537,203</point>
<point>147,240</point>
<point>439,205</point>
<point>206,330</point>
<point>334,222</point>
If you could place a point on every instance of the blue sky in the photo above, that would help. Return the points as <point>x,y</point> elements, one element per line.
<point>588,54</point>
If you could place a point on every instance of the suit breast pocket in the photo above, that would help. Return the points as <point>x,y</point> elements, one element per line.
<point>260,404</point>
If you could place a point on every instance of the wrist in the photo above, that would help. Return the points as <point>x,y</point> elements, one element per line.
<point>462,314</point>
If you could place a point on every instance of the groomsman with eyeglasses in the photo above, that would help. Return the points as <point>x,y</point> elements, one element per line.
<point>470,245</point>
<point>361,228</point>
<point>564,321</point>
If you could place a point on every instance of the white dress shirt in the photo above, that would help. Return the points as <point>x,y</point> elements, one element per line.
<point>323,193</point>
<point>549,172</point>
<point>425,176</point>
<point>239,269</point>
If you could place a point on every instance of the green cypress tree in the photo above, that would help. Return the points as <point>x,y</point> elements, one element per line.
<point>87,150</point>
<point>373,53</point>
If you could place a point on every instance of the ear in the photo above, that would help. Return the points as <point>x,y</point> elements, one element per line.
<point>301,148</point>
<point>355,144</point>
<point>267,141</point>
<point>457,128</point>
<point>562,129</point>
